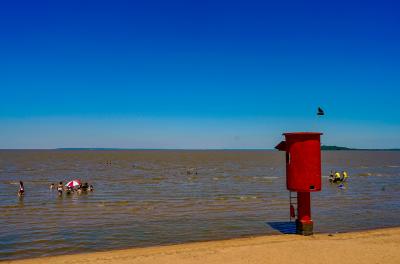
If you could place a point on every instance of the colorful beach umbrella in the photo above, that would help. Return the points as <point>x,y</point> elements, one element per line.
<point>73,183</point>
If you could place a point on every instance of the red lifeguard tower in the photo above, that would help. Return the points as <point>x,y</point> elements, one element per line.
<point>303,174</point>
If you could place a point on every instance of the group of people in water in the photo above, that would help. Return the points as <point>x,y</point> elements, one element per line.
<point>337,177</point>
<point>334,177</point>
<point>61,188</point>
<point>69,190</point>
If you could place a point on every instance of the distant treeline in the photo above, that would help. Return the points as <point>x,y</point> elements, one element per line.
<point>323,147</point>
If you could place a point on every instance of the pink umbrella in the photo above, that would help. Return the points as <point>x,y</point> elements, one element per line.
<point>73,183</point>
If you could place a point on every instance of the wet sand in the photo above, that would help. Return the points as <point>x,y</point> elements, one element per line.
<point>375,246</point>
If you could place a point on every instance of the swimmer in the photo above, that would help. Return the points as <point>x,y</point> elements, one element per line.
<point>21,190</point>
<point>91,189</point>
<point>52,186</point>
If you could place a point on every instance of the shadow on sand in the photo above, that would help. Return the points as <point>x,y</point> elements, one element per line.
<point>283,227</point>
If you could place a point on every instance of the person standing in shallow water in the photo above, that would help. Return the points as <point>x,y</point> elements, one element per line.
<point>344,176</point>
<point>331,176</point>
<point>85,187</point>
<point>21,190</point>
<point>60,188</point>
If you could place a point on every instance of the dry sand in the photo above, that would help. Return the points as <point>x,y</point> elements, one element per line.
<point>376,246</point>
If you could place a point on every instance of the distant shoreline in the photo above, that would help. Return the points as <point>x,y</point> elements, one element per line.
<point>323,147</point>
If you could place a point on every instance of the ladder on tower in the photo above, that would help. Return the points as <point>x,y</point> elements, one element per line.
<point>293,203</point>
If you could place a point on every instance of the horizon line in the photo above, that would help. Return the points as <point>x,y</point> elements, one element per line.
<point>199,149</point>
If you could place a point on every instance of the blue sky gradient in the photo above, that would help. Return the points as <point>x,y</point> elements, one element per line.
<point>198,74</point>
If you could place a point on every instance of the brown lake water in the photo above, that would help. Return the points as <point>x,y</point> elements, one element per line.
<point>146,197</point>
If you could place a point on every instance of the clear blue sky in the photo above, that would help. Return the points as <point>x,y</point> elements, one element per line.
<point>198,74</point>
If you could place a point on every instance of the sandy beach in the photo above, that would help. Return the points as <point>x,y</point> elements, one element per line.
<point>375,246</point>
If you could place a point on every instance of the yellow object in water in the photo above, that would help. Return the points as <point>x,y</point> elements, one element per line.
<point>337,176</point>
<point>345,175</point>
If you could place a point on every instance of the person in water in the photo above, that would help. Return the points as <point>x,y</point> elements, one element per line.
<point>60,188</point>
<point>69,190</point>
<point>344,176</point>
<point>331,176</point>
<point>52,186</point>
<point>21,190</point>
<point>337,178</point>
<point>85,187</point>
<point>91,189</point>
<point>79,190</point>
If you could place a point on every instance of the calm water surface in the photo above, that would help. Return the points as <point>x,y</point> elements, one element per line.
<point>145,198</point>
